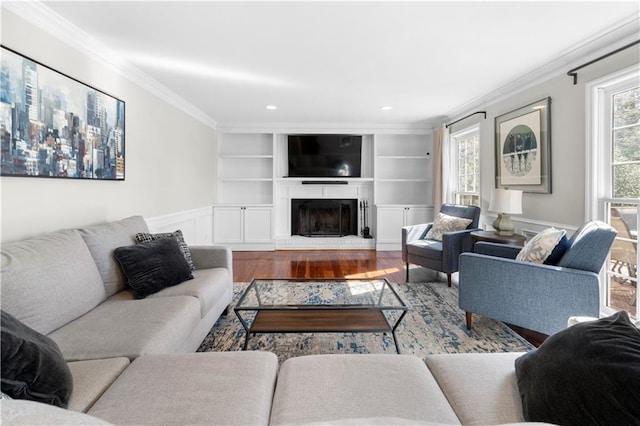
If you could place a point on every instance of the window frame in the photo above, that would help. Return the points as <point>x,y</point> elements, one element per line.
<point>455,138</point>
<point>600,160</point>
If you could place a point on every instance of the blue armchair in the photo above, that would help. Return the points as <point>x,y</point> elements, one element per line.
<point>437,255</point>
<point>535,296</point>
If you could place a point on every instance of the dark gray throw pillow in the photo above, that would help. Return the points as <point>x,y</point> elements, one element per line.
<point>32,365</point>
<point>587,374</point>
<point>152,266</point>
<point>143,237</point>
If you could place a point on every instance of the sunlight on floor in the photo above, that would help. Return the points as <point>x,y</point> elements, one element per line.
<point>373,274</point>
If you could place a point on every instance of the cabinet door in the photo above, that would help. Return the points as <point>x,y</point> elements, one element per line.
<point>228,224</point>
<point>418,215</point>
<point>258,225</point>
<point>389,222</point>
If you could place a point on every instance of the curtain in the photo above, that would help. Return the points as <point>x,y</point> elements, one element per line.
<point>440,166</point>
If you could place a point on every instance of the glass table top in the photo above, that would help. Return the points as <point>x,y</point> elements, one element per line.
<point>264,294</point>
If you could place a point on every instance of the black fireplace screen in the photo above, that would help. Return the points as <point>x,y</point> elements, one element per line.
<point>324,218</point>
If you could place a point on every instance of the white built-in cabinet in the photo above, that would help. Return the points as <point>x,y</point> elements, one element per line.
<point>243,215</point>
<point>243,226</point>
<point>251,188</point>
<point>403,188</point>
<point>391,219</point>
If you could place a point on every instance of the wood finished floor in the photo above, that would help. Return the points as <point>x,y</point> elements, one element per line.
<point>330,264</point>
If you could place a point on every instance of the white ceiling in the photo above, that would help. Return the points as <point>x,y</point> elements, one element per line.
<point>339,62</point>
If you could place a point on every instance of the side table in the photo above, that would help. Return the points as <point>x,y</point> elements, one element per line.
<point>492,237</point>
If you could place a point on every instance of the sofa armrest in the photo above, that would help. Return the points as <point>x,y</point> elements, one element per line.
<point>497,249</point>
<point>412,233</point>
<point>207,257</point>
<point>454,243</point>
<point>531,295</point>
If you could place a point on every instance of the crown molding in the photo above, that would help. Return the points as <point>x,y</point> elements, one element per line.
<point>38,14</point>
<point>625,32</point>
<point>326,127</point>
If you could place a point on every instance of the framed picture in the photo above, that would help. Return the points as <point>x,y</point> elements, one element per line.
<point>52,125</point>
<point>523,148</point>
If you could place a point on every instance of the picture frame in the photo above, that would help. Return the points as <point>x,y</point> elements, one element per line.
<point>55,126</point>
<point>523,148</point>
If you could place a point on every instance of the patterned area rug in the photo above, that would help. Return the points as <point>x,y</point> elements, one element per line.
<point>433,324</point>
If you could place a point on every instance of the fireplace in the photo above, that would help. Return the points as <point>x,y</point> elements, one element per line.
<point>324,217</point>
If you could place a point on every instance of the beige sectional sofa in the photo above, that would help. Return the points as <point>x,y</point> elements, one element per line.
<point>67,285</point>
<point>247,388</point>
<point>132,360</point>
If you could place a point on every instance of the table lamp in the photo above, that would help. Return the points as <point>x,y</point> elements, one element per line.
<point>505,202</point>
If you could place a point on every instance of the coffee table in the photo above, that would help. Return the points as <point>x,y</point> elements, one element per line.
<point>320,306</point>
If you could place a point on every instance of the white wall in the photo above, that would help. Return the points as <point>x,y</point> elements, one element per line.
<point>170,164</point>
<point>565,206</point>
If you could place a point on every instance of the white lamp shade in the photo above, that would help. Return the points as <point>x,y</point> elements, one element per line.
<point>506,201</point>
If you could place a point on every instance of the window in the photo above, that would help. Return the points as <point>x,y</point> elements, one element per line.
<point>614,176</point>
<point>466,169</point>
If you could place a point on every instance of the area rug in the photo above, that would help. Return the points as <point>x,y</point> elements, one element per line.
<point>433,324</point>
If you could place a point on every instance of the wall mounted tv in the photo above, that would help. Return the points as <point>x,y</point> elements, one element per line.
<point>324,155</point>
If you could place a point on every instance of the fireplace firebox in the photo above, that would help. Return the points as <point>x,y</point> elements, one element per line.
<point>324,217</point>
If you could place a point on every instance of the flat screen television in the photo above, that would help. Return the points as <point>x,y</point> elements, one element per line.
<point>325,155</point>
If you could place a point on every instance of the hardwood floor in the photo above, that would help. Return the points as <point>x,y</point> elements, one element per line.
<point>318,264</point>
<point>331,264</point>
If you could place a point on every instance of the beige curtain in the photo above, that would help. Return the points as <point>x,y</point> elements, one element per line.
<point>440,161</point>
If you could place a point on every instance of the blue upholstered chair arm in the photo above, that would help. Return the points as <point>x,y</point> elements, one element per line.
<point>454,243</point>
<point>496,249</point>
<point>535,296</point>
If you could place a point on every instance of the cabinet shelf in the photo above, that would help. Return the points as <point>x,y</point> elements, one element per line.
<point>404,157</point>
<point>246,179</point>
<point>245,156</point>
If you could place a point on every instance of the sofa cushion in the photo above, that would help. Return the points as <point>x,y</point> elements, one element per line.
<point>445,223</point>
<point>585,374</point>
<point>337,388</point>
<point>540,247</point>
<point>230,388</point>
<point>20,412</point>
<point>50,280</point>
<point>103,239</point>
<point>144,237</point>
<point>32,365</point>
<point>208,285</point>
<point>481,388</point>
<point>129,328</point>
<point>91,378</point>
<point>152,266</point>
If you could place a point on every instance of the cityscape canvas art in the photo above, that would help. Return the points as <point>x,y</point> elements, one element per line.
<point>52,125</point>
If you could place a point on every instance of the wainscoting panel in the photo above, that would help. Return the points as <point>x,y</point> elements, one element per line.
<point>527,227</point>
<point>196,225</point>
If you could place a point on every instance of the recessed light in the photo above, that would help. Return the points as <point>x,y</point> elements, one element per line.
<point>385,108</point>
<point>271,107</point>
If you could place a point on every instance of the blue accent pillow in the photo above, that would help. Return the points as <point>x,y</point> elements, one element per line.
<point>32,365</point>
<point>587,374</point>
<point>153,266</point>
<point>558,251</point>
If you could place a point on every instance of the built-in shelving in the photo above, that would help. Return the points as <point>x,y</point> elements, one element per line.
<point>402,186</point>
<point>403,169</point>
<point>253,189</point>
<point>245,168</point>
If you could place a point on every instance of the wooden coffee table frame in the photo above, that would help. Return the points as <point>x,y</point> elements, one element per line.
<point>308,318</point>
